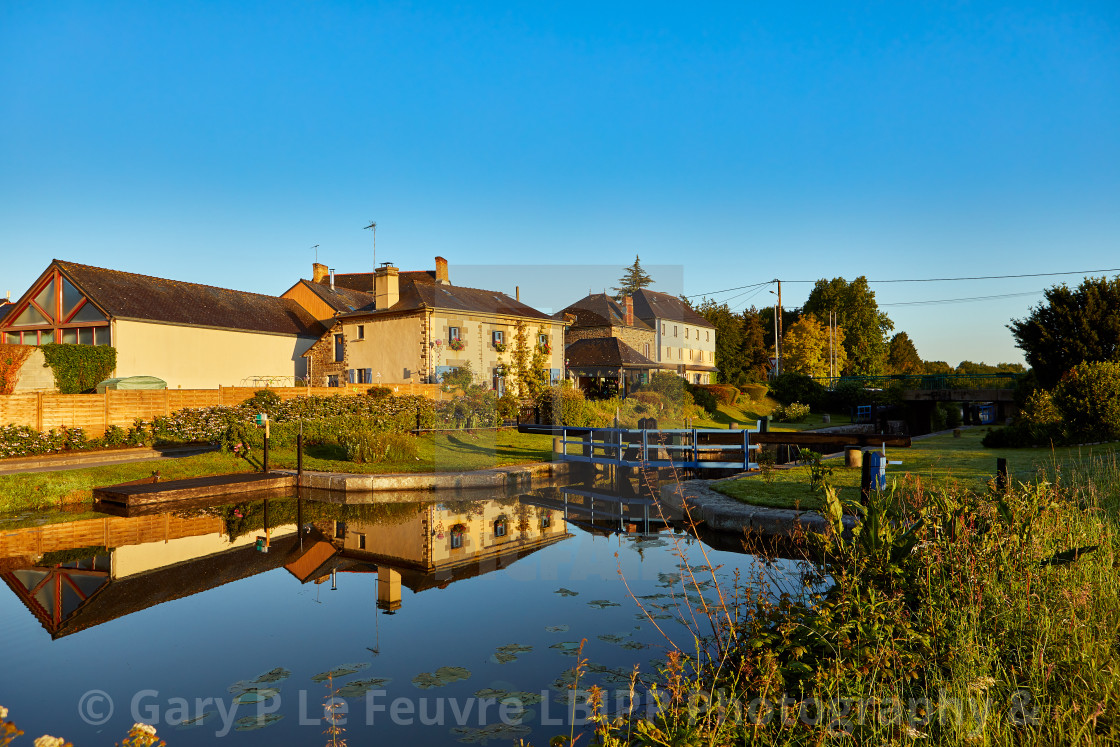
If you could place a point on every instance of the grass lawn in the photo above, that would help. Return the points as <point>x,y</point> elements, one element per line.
<point>940,461</point>
<point>437,453</point>
<point>747,412</point>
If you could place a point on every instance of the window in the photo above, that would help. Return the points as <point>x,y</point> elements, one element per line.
<point>361,542</point>
<point>680,354</point>
<point>647,349</point>
<point>339,529</point>
<point>339,348</point>
<point>546,520</point>
<point>708,336</point>
<point>499,337</point>
<point>365,376</point>
<point>686,333</point>
<point>542,340</point>
<point>352,376</point>
<point>501,526</point>
<point>54,309</point>
<point>332,380</point>
<point>674,330</point>
<point>452,333</point>
<point>457,533</point>
<point>361,334</point>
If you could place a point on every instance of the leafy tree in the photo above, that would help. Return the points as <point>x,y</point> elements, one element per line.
<point>633,280</point>
<point>979,369</point>
<point>1073,326</point>
<point>806,348</point>
<point>858,313</point>
<point>754,351</point>
<point>902,356</point>
<point>1088,398</point>
<point>729,339</point>
<point>460,378</point>
<point>936,367</point>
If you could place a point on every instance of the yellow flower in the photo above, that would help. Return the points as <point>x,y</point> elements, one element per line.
<point>49,741</point>
<point>3,712</point>
<point>146,728</point>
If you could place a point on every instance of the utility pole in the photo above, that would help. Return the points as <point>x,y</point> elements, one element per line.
<point>373,227</point>
<point>778,339</point>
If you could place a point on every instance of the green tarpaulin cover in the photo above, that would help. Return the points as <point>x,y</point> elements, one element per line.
<point>132,382</point>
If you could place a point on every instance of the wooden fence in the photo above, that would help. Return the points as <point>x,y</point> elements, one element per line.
<point>96,412</point>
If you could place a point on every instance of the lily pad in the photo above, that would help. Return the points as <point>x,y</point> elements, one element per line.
<point>515,648</point>
<point>634,645</point>
<point>502,657</point>
<point>252,723</point>
<point>453,674</point>
<point>279,674</point>
<point>358,688</point>
<point>567,647</point>
<point>556,629</point>
<point>652,616</point>
<point>341,671</point>
<point>426,680</point>
<point>491,692</point>
<point>566,592</point>
<point>198,720</point>
<point>602,604</point>
<point>256,696</point>
<point>501,732</point>
<point>614,637</point>
<point>439,678</point>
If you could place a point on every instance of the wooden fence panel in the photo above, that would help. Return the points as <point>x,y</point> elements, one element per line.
<point>86,411</point>
<point>19,409</point>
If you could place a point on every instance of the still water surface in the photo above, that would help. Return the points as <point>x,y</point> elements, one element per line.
<point>422,611</point>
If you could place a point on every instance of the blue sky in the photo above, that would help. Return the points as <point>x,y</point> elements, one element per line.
<point>729,143</point>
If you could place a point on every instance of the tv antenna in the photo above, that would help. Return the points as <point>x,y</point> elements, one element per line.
<point>373,227</point>
<point>316,248</point>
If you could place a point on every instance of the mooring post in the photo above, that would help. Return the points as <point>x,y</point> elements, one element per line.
<point>1001,474</point>
<point>299,455</point>
<point>266,439</point>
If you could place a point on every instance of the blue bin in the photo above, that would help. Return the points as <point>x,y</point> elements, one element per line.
<point>878,469</point>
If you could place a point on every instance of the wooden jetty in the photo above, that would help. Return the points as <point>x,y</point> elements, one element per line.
<point>174,491</point>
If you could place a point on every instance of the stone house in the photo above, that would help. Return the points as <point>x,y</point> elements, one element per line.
<point>607,346</point>
<point>419,327</point>
<point>685,340</point>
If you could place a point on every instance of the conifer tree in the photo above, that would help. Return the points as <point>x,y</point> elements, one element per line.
<point>634,279</point>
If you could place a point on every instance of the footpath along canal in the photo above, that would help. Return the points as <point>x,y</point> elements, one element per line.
<point>437,618</point>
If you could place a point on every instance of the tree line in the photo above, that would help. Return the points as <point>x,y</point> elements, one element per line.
<point>858,342</point>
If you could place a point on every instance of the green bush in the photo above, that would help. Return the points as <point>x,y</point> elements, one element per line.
<point>755,391</point>
<point>725,394</point>
<point>792,387</point>
<point>79,368</point>
<point>1088,399</point>
<point>794,412</point>
<point>702,397</point>
<point>263,400</point>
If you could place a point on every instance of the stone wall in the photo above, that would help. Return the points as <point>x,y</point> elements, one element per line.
<point>635,337</point>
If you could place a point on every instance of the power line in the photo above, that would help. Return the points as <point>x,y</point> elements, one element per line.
<point>977,277</point>
<point>962,300</point>
<point>728,290</point>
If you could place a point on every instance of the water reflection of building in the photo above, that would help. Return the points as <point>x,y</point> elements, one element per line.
<point>73,575</point>
<point>77,574</point>
<point>445,542</point>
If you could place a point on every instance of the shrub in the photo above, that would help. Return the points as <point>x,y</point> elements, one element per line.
<point>792,387</point>
<point>846,396</point>
<point>379,392</point>
<point>755,391</point>
<point>702,397</point>
<point>1088,399</point>
<point>563,404</point>
<point>79,368</point>
<point>652,400</point>
<point>114,436</point>
<point>263,400</point>
<point>672,388</point>
<point>724,393</point>
<point>794,412</point>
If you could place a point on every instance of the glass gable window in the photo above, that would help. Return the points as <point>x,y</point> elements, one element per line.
<point>54,310</point>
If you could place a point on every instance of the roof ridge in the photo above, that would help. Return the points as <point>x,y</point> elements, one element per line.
<point>62,262</point>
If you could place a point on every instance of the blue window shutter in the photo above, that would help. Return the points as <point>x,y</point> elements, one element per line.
<point>350,375</point>
<point>369,376</point>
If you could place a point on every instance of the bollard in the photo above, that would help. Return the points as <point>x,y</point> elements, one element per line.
<point>853,456</point>
<point>957,433</point>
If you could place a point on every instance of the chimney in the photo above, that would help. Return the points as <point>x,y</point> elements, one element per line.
<point>319,272</point>
<point>517,293</point>
<point>442,276</point>
<point>332,279</point>
<point>388,286</point>
<point>629,301</point>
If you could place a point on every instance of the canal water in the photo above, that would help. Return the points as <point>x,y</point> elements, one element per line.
<point>435,622</point>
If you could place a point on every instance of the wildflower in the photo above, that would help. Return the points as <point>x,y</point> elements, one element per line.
<point>3,712</point>
<point>49,741</point>
<point>145,728</point>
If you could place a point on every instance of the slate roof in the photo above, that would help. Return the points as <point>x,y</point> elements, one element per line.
<point>5,308</point>
<point>363,281</point>
<point>599,310</point>
<point>651,305</point>
<point>419,288</point>
<point>340,299</point>
<point>125,295</point>
<point>605,352</point>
